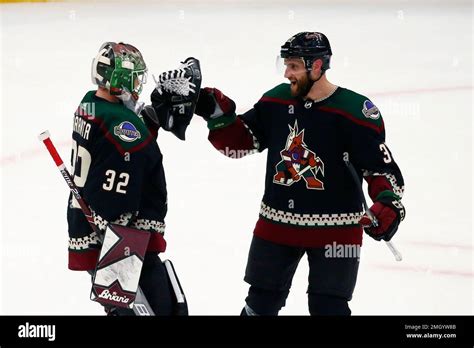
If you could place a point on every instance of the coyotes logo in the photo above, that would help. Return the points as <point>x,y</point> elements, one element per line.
<point>298,162</point>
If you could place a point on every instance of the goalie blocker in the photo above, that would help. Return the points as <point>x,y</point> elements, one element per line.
<point>119,272</point>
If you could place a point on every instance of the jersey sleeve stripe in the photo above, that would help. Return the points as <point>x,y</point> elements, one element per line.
<point>277,100</point>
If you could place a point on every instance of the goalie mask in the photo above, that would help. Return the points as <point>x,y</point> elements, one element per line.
<point>120,68</point>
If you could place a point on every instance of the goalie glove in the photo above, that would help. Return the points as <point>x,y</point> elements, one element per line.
<point>181,85</point>
<point>175,96</point>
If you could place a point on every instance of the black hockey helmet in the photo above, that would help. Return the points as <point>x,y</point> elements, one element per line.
<point>309,46</point>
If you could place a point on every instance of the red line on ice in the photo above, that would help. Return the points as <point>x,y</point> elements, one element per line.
<point>29,154</point>
<point>442,245</point>
<point>426,270</point>
<point>422,90</point>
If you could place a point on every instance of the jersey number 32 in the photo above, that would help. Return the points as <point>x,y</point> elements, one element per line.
<point>82,156</point>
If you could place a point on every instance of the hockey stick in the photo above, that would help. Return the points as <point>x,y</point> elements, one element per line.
<point>301,172</point>
<point>375,223</point>
<point>141,306</point>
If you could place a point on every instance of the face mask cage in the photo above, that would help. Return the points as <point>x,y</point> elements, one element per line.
<point>139,78</point>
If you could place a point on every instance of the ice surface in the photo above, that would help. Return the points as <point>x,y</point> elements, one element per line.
<point>413,59</point>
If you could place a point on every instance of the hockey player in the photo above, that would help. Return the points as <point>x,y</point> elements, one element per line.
<point>311,129</point>
<point>117,164</point>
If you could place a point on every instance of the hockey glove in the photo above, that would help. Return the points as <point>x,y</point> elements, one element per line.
<point>388,212</point>
<point>181,85</point>
<point>175,96</point>
<point>215,107</point>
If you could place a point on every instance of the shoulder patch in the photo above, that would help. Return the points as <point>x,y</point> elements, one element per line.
<point>127,132</point>
<point>369,110</point>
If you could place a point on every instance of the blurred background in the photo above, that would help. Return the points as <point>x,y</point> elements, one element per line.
<point>412,58</point>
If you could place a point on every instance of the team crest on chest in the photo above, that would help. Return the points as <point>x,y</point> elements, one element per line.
<point>298,162</point>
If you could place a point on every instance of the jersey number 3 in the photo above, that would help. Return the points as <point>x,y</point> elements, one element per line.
<point>122,181</point>
<point>386,154</point>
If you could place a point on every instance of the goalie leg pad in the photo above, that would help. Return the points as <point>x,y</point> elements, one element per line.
<point>162,288</point>
<point>120,262</point>
<point>155,285</point>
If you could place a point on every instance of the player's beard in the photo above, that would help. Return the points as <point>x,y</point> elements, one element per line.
<point>301,87</point>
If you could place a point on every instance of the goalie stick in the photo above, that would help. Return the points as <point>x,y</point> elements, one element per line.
<point>141,307</point>
<point>395,252</point>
